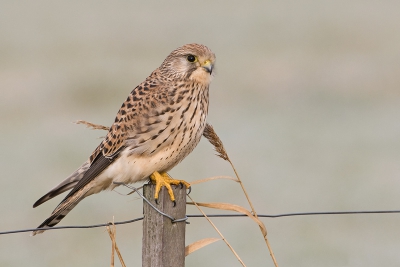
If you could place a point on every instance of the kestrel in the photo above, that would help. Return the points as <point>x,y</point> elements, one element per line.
<point>158,125</point>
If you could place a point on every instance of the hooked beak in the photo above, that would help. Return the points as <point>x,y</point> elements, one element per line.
<point>207,66</point>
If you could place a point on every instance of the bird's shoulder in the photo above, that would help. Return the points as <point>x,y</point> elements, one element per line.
<point>143,105</point>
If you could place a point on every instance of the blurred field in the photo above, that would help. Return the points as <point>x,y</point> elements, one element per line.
<point>306,99</point>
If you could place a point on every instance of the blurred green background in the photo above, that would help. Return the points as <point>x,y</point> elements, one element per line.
<point>306,99</point>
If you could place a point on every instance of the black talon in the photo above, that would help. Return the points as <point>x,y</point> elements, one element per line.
<point>156,200</point>
<point>190,190</point>
<point>174,203</point>
<point>181,184</point>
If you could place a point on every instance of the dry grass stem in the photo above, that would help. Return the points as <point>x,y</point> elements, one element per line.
<point>92,125</point>
<point>213,138</point>
<point>199,244</point>
<point>112,232</point>
<point>220,234</point>
<point>213,178</point>
<point>228,206</point>
<point>210,134</point>
<point>133,191</point>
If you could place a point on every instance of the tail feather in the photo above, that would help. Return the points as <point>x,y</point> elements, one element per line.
<point>65,185</point>
<point>83,183</point>
<point>63,209</point>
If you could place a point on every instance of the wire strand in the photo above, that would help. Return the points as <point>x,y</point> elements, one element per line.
<point>210,215</point>
<point>70,227</point>
<point>151,205</point>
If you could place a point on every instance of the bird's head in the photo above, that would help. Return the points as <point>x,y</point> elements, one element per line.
<point>192,61</point>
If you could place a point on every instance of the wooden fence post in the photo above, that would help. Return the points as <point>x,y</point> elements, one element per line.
<point>163,243</point>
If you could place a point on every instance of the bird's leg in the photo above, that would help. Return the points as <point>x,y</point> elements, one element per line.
<point>163,179</point>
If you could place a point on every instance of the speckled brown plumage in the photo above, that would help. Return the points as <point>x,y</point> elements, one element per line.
<point>158,125</point>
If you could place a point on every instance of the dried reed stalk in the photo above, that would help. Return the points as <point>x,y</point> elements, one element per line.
<point>213,178</point>
<point>92,125</point>
<point>199,244</point>
<point>213,138</point>
<point>220,234</point>
<point>112,232</point>
<point>233,207</point>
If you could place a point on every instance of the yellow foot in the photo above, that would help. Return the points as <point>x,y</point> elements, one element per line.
<point>163,179</point>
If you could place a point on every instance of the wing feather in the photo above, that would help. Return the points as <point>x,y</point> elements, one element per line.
<point>65,185</point>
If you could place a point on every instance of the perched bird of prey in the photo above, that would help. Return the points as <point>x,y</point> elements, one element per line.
<point>158,125</point>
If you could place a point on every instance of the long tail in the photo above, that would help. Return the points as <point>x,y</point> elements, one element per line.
<point>64,208</point>
<point>82,186</point>
<point>65,185</point>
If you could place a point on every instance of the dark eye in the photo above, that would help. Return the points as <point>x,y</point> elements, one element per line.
<point>191,58</point>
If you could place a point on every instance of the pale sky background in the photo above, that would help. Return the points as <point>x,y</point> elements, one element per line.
<point>306,99</point>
